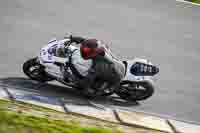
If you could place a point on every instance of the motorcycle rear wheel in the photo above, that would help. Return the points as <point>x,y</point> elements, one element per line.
<point>35,70</point>
<point>135,91</point>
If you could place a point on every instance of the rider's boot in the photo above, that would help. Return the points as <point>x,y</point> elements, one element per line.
<point>87,83</point>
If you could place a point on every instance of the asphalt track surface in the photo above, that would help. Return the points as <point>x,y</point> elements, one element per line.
<point>163,31</point>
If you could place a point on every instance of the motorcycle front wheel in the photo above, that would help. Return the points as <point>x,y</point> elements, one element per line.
<point>135,91</point>
<point>34,70</point>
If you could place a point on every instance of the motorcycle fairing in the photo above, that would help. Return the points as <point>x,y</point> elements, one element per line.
<point>142,69</point>
<point>137,77</point>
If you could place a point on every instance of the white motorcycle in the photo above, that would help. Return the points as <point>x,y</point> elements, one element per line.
<point>136,85</point>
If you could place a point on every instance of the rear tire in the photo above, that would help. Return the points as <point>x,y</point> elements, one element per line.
<point>35,70</point>
<point>131,93</point>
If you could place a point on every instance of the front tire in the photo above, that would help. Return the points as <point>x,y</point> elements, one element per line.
<point>34,70</point>
<point>135,91</point>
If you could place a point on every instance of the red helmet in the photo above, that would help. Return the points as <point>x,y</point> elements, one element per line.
<point>90,49</point>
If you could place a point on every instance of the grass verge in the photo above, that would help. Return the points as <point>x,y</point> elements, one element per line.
<point>20,117</point>
<point>196,1</point>
<point>12,122</point>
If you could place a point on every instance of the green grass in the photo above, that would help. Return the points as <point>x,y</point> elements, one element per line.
<point>196,1</point>
<point>20,117</point>
<point>23,104</point>
<point>11,122</point>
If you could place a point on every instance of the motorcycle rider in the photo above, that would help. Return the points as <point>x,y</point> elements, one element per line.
<point>104,65</point>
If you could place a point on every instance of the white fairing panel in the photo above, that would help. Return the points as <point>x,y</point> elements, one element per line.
<point>44,59</point>
<point>130,77</point>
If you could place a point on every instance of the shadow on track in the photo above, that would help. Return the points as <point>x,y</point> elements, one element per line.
<point>50,93</point>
